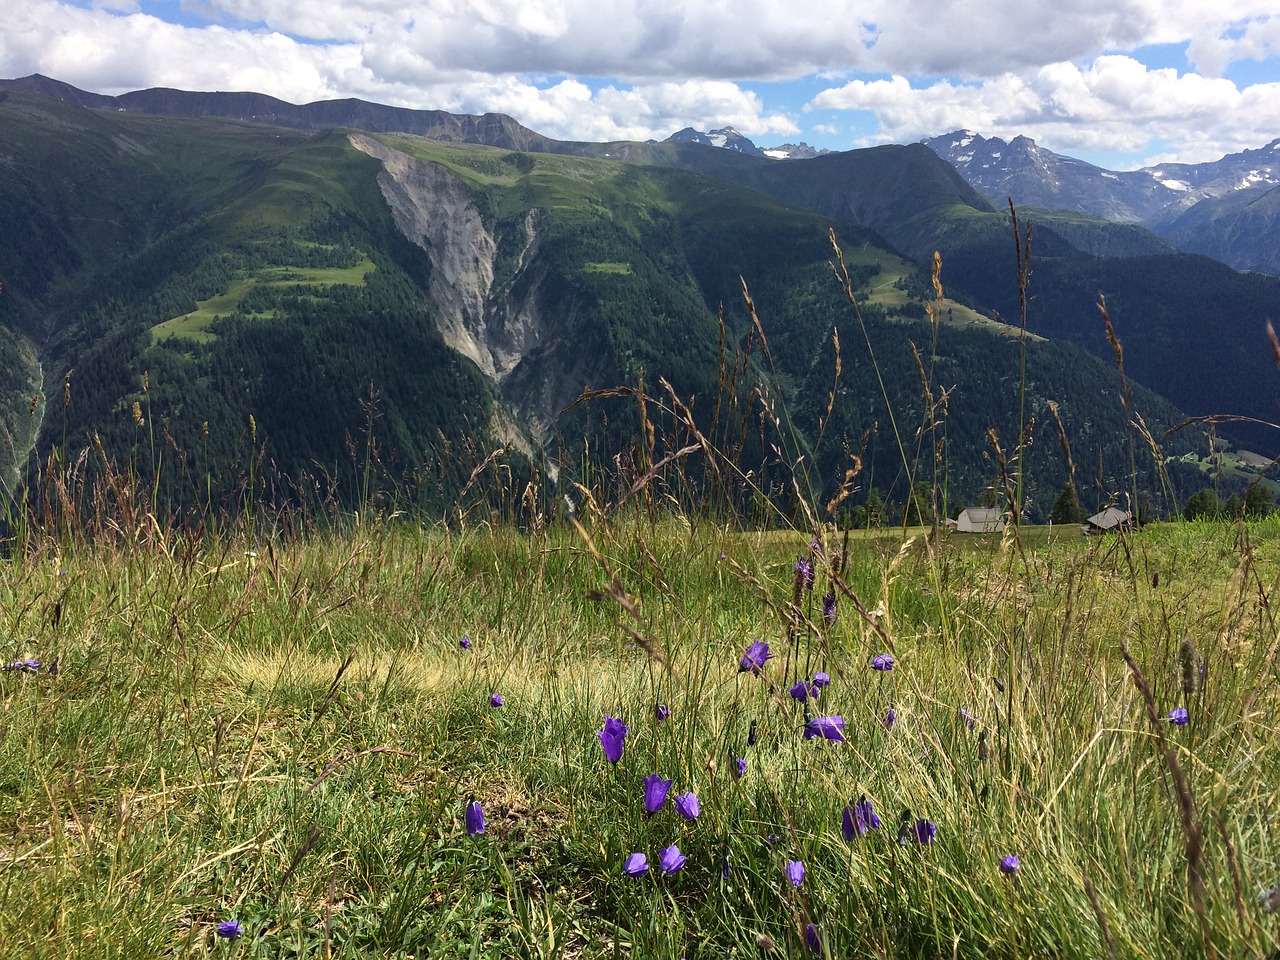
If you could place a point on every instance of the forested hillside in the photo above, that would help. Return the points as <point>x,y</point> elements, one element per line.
<point>347,321</point>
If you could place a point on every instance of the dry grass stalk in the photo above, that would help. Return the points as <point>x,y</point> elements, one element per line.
<point>1182,791</point>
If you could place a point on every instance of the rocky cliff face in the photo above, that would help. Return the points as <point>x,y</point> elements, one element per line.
<point>478,316</point>
<point>435,210</point>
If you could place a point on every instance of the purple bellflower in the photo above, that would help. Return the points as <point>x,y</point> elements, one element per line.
<point>636,865</point>
<point>655,792</point>
<point>884,663</point>
<point>474,818</point>
<point>813,937</point>
<point>755,657</point>
<point>858,818</point>
<point>801,690</point>
<point>795,872</point>
<point>612,738</point>
<point>1010,864</point>
<point>1178,716</point>
<point>230,929</point>
<point>687,805</point>
<point>829,728</point>
<point>672,860</point>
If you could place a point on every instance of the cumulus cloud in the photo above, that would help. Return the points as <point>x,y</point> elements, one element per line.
<point>766,39</point>
<point>1115,104</point>
<point>614,69</point>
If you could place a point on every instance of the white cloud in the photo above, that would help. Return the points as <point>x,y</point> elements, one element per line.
<point>1116,104</point>
<point>1012,66</point>
<point>767,39</point>
<point>66,42</point>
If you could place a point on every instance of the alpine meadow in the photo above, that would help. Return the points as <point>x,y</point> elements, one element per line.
<point>425,538</point>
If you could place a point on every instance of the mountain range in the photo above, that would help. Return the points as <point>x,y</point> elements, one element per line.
<point>214,279</point>
<point>1226,209</point>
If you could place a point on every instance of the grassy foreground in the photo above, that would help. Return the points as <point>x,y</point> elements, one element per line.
<point>287,738</point>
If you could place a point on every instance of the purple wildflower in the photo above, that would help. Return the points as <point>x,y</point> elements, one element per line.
<point>724,868</point>
<point>821,680</point>
<point>751,734</point>
<point>829,607</point>
<point>858,818</point>
<point>755,657</point>
<point>739,767</point>
<point>672,860</point>
<point>970,721</point>
<point>655,792</point>
<point>495,700</point>
<point>883,663</point>
<point>813,937</point>
<point>802,691</point>
<point>1179,716</point>
<point>612,738</point>
<point>465,643</point>
<point>890,718</point>
<point>795,872</point>
<point>1010,864</point>
<point>830,728</point>
<point>687,805</point>
<point>26,666</point>
<point>660,712</point>
<point>924,831</point>
<point>474,818</point>
<point>804,573</point>
<point>636,865</point>
<point>230,929</point>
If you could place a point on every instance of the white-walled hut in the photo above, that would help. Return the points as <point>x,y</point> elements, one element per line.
<point>980,520</point>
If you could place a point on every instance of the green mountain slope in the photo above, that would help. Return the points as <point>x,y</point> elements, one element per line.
<point>331,313</point>
<point>1241,228</point>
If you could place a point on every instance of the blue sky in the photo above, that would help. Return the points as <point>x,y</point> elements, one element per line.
<point>1122,83</point>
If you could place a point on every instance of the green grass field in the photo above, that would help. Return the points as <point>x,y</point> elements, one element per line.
<point>195,325</point>
<point>286,735</point>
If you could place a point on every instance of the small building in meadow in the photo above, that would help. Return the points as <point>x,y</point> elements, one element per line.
<point>1112,518</point>
<point>980,520</point>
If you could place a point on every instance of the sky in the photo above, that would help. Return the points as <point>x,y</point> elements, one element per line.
<point>1120,83</point>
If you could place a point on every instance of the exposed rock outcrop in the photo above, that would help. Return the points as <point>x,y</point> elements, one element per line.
<point>473,308</point>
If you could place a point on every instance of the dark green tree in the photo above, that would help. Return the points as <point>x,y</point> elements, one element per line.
<point>1258,501</point>
<point>919,508</point>
<point>874,510</point>
<point>1203,505</point>
<point>1233,507</point>
<point>1066,509</point>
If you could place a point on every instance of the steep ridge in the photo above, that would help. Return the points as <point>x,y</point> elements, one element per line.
<point>437,211</point>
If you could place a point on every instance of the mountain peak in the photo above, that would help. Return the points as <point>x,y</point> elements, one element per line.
<point>726,137</point>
